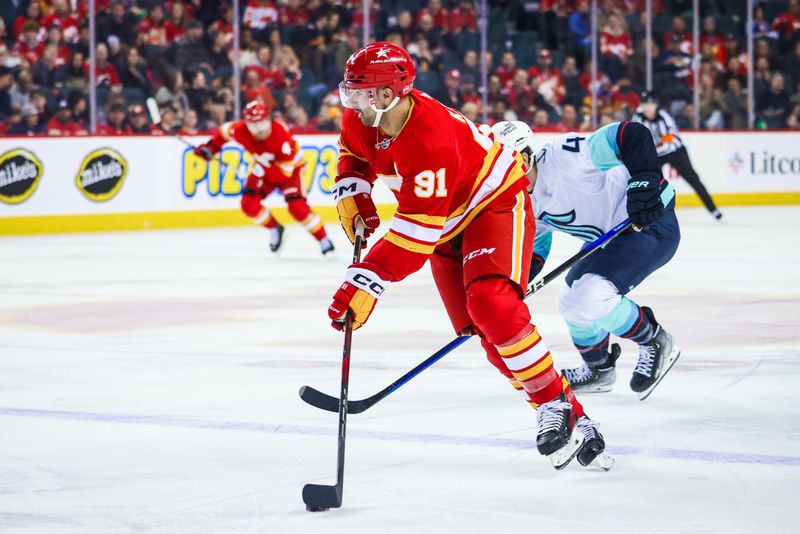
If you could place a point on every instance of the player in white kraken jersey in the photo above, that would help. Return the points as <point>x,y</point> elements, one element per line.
<point>585,185</point>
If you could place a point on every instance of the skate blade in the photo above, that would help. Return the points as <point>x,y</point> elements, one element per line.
<point>673,357</point>
<point>601,462</point>
<point>563,456</point>
<point>594,389</point>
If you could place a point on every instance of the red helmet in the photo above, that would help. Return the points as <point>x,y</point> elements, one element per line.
<point>380,64</point>
<point>256,111</point>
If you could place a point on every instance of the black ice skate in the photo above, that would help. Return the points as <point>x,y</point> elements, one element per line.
<point>559,437</point>
<point>277,238</point>
<point>585,379</point>
<point>656,358</point>
<point>326,245</point>
<point>593,451</point>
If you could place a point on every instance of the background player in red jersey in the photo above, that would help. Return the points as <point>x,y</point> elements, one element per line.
<point>278,164</point>
<point>462,205</point>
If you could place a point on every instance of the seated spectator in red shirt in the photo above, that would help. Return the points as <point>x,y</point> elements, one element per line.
<point>27,47</point>
<point>469,92</point>
<point>259,14</point>
<point>519,87</point>
<point>439,15</point>
<point>548,78</point>
<point>153,28</point>
<point>55,37</point>
<point>62,123</point>
<point>463,17</point>
<point>63,17</point>
<point>294,14</point>
<point>497,91</point>
<point>253,89</point>
<point>298,122</point>
<point>33,13</point>
<point>787,24</point>
<point>137,118</point>
<point>679,29</point>
<point>269,73</point>
<point>541,121</point>
<point>710,34</point>
<point>223,25</point>
<point>569,119</point>
<point>178,22</point>
<point>105,72</point>
<point>189,125</point>
<point>507,67</point>
<point>624,98</point>
<point>616,47</point>
<point>115,122</point>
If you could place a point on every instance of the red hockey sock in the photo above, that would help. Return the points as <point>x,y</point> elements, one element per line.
<point>309,220</point>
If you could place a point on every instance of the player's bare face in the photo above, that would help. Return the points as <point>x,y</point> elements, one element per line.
<point>259,129</point>
<point>649,110</point>
<point>360,100</point>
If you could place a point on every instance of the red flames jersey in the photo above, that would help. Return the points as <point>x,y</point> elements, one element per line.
<point>279,154</point>
<point>442,170</point>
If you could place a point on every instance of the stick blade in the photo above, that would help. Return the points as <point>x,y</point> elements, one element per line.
<point>319,497</point>
<point>318,399</point>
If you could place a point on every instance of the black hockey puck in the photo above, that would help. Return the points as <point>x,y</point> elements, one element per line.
<point>316,509</point>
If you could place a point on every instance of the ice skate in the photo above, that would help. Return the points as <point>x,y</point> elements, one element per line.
<point>559,437</point>
<point>600,379</point>
<point>326,246</point>
<point>593,451</point>
<point>277,238</point>
<point>656,358</point>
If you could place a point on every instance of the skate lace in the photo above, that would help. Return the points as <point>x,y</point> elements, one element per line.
<point>647,356</point>
<point>578,374</point>
<point>588,428</point>
<point>549,415</point>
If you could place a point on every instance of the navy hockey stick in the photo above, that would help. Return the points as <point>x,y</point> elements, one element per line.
<point>323,401</point>
<point>320,497</point>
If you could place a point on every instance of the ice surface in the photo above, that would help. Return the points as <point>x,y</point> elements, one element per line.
<point>148,383</point>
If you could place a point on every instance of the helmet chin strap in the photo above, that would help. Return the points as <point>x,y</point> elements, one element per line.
<point>379,112</point>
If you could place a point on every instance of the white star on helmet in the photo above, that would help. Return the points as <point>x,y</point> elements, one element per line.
<point>383,52</point>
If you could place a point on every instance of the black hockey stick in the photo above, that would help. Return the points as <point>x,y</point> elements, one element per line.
<point>155,117</point>
<point>319,497</point>
<point>326,402</point>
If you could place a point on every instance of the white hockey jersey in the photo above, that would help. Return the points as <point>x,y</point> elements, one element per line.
<point>581,186</point>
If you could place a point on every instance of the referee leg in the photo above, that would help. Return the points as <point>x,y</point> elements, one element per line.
<point>680,162</point>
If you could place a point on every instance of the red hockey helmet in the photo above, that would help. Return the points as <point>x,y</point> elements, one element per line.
<point>381,64</point>
<point>256,111</point>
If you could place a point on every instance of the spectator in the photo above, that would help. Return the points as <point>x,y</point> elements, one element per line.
<point>20,92</point>
<point>450,94</point>
<point>253,89</point>
<point>27,47</point>
<point>787,24</point>
<point>217,115</point>
<point>198,93</point>
<point>710,34</point>
<point>329,118</point>
<point>62,124</point>
<point>672,66</point>
<point>191,52</point>
<point>133,70</point>
<point>178,23</point>
<point>105,73</point>
<point>152,30</point>
<point>679,35</point>
<point>268,73</point>
<point>80,109</point>
<point>259,14</point>
<point>791,63</point>
<point>30,124</point>
<point>569,119</point>
<point>548,79</point>
<point>440,18</point>
<point>761,26</point>
<point>772,106</point>
<point>580,28</point>
<point>115,122</point>
<point>762,75</point>
<point>6,79</point>
<point>404,27</point>
<point>39,101</point>
<point>173,91</point>
<point>47,72</point>
<point>169,124</point>
<point>470,111</point>
<point>793,120</point>
<point>616,47</point>
<point>469,91</point>
<point>294,13</point>
<point>33,13</point>
<point>734,106</point>
<point>138,119</point>
<point>507,67</point>
<point>624,98</point>
<point>223,27</point>
<point>541,121</point>
<point>298,121</point>
<point>62,16</point>
<point>469,65</point>
<point>116,21</point>
<point>463,17</point>
<point>190,124</point>
<point>75,77</point>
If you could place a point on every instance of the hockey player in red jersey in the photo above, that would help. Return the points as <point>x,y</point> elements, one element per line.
<point>462,204</point>
<point>278,164</point>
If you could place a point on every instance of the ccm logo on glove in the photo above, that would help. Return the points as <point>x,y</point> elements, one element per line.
<point>371,286</point>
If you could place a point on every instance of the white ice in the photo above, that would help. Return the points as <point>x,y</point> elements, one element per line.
<point>148,383</point>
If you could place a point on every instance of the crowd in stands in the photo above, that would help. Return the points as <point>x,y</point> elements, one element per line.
<point>179,52</point>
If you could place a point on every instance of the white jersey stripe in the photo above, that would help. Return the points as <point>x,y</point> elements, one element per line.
<point>415,231</point>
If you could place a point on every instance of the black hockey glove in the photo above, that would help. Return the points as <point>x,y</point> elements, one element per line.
<point>204,152</point>
<point>644,199</point>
